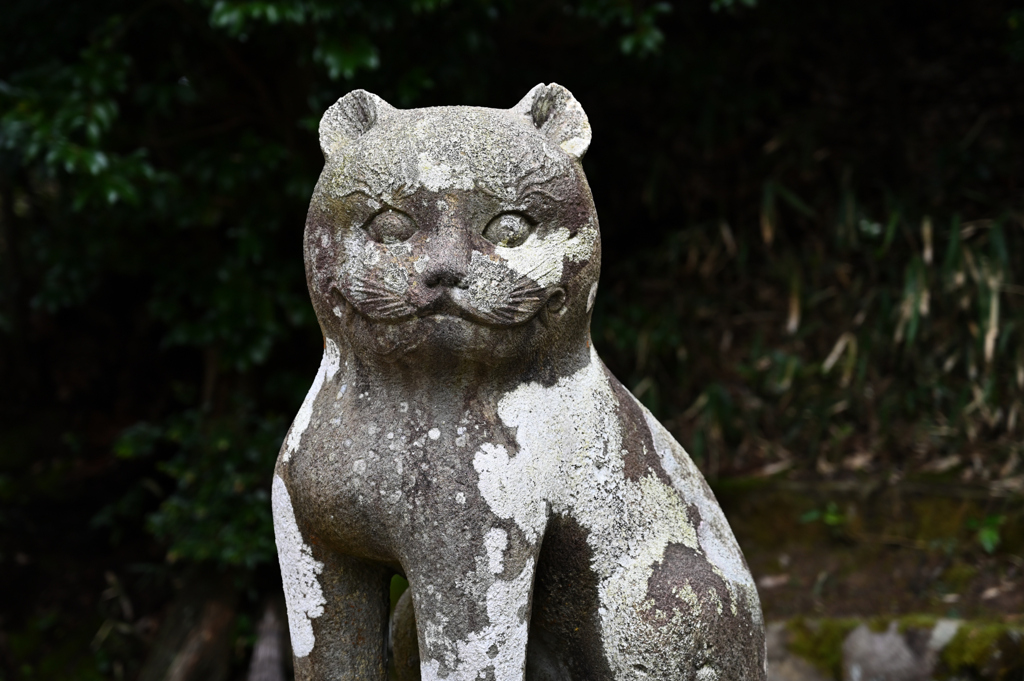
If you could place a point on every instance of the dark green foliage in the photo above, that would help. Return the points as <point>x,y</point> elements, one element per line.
<point>219,509</point>
<point>988,532</point>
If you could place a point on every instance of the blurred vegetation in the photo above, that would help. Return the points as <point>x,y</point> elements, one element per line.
<point>812,215</point>
<point>977,649</point>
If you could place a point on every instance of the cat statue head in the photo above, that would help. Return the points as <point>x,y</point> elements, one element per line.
<point>454,234</point>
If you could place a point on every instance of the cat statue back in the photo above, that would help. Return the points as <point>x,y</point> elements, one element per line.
<point>462,431</point>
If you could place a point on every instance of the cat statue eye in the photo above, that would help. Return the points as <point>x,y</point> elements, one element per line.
<point>508,229</point>
<point>391,227</point>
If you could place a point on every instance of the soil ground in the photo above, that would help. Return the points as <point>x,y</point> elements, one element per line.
<point>866,548</point>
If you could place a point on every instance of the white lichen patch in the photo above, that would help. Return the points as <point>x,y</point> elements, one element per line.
<point>490,283</point>
<point>541,258</point>
<point>438,176</point>
<point>576,146</point>
<point>516,488</point>
<point>495,543</point>
<point>715,536</point>
<point>299,571</point>
<point>420,263</point>
<point>570,458</point>
<point>499,647</point>
<point>329,365</point>
<point>592,296</point>
<point>707,674</point>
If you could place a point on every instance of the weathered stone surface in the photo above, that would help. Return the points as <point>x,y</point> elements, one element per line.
<point>462,431</point>
<point>885,656</point>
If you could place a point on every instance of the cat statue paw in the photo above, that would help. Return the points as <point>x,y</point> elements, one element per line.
<point>463,432</point>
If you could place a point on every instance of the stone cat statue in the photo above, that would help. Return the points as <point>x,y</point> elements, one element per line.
<point>462,431</point>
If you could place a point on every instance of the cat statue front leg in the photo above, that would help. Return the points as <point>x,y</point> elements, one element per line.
<point>474,625</point>
<point>337,604</point>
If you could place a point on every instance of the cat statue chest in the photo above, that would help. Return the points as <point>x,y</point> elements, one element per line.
<point>462,431</point>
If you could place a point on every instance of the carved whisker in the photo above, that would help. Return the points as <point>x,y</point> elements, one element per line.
<point>527,283</point>
<point>509,314</point>
<point>378,298</point>
<point>396,306</point>
<point>536,273</point>
<point>368,294</point>
<point>392,308</point>
<point>370,286</point>
<point>500,316</point>
<point>524,305</point>
<point>528,289</point>
<point>527,305</point>
<point>380,306</point>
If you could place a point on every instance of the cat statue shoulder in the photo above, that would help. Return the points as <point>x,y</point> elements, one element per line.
<point>462,431</point>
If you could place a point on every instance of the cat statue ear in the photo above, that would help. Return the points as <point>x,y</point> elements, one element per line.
<point>556,113</point>
<point>348,118</point>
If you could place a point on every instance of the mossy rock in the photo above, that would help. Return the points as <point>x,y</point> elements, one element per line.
<point>820,642</point>
<point>979,651</point>
<point>984,651</point>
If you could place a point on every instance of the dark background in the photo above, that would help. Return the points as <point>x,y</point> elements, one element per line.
<point>813,221</point>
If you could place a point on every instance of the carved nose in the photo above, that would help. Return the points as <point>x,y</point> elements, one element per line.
<point>445,277</point>
<point>449,261</point>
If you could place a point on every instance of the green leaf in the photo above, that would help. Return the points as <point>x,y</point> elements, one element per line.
<point>989,535</point>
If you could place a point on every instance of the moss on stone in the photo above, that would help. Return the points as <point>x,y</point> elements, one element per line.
<point>820,642</point>
<point>909,622</point>
<point>989,650</point>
